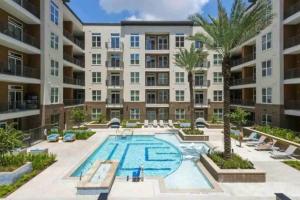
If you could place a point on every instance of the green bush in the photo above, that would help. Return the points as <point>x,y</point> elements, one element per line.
<point>102,119</point>
<point>293,163</point>
<point>279,132</point>
<point>193,132</point>
<point>235,162</point>
<point>84,134</point>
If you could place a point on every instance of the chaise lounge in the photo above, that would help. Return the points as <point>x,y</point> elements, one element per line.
<point>53,137</point>
<point>69,136</point>
<point>286,154</point>
<point>261,140</point>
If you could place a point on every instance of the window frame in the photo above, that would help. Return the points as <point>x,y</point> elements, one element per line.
<point>54,95</point>
<point>179,95</point>
<point>134,40</point>
<point>96,77</point>
<point>179,40</point>
<point>135,114</point>
<point>218,95</point>
<point>134,77</point>
<point>96,59</point>
<point>97,43</point>
<point>96,95</point>
<point>267,94</point>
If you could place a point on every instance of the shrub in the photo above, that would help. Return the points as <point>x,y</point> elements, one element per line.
<point>102,119</point>
<point>84,134</point>
<point>10,139</point>
<point>193,132</point>
<point>279,132</point>
<point>78,115</point>
<point>235,162</point>
<point>293,163</point>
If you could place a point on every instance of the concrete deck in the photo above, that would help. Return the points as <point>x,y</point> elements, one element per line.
<point>54,183</point>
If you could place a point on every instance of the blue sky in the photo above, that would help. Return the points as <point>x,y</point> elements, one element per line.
<point>118,10</point>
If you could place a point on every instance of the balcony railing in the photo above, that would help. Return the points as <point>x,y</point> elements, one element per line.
<point>292,104</point>
<point>75,40</point>
<point>15,70</point>
<point>74,60</point>
<point>292,41</point>
<point>116,101</point>
<point>114,46</point>
<point>157,101</point>
<point>201,103</point>
<point>203,83</point>
<point>29,6</point>
<point>292,73</point>
<point>115,83</point>
<point>244,81</point>
<point>72,81</point>
<point>155,83</point>
<point>115,64</point>
<point>294,8</point>
<point>242,102</point>
<point>243,60</point>
<point>72,102</point>
<point>157,47</point>
<point>18,106</point>
<point>18,35</point>
<point>159,66</point>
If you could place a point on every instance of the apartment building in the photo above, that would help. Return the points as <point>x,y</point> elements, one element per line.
<point>131,72</point>
<point>266,69</point>
<point>42,63</point>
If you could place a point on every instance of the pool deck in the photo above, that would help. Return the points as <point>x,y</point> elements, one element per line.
<point>54,182</point>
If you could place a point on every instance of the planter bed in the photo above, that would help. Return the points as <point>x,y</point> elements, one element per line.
<point>184,136</point>
<point>214,126</point>
<point>95,126</point>
<point>11,177</point>
<point>233,175</point>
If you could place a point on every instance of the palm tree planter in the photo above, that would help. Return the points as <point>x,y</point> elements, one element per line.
<point>198,137</point>
<point>224,33</point>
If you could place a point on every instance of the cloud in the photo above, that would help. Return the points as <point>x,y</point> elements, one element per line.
<point>154,9</point>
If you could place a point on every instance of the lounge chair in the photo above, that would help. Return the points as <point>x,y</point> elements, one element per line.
<point>286,154</point>
<point>252,137</point>
<point>146,124</point>
<point>69,137</point>
<point>170,123</point>
<point>185,125</point>
<point>53,137</point>
<point>200,123</point>
<point>161,124</point>
<point>155,123</point>
<point>267,147</point>
<point>261,140</point>
<point>136,175</point>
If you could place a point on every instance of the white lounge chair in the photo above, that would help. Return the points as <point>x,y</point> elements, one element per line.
<point>170,123</point>
<point>286,154</point>
<point>146,124</point>
<point>255,143</point>
<point>155,123</point>
<point>252,137</point>
<point>270,146</point>
<point>161,124</point>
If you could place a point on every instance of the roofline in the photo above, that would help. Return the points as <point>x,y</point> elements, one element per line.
<point>101,24</point>
<point>76,16</point>
<point>157,23</point>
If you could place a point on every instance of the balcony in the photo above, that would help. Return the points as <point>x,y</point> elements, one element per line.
<point>114,102</point>
<point>242,102</point>
<point>74,60</point>
<point>155,83</point>
<point>244,81</point>
<point>115,84</point>
<point>203,66</point>
<point>29,7</point>
<point>115,65</point>
<point>292,9</point>
<point>292,105</point>
<point>243,60</point>
<point>292,73</point>
<point>292,41</point>
<point>201,84</point>
<point>72,38</point>
<point>73,81</point>
<point>114,47</point>
<point>201,104</point>
<point>153,47</point>
<point>73,102</point>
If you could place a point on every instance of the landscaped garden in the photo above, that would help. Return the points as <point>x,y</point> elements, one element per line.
<point>280,133</point>
<point>235,161</point>
<point>293,163</point>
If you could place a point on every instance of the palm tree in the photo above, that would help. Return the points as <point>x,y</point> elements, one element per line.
<point>225,32</point>
<point>190,60</point>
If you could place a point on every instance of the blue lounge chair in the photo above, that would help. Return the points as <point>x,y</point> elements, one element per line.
<point>53,137</point>
<point>69,137</point>
<point>136,175</point>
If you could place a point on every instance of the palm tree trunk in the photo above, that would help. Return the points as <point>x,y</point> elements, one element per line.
<point>191,84</point>
<point>226,90</point>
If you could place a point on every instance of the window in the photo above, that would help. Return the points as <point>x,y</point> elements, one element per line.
<point>135,59</point>
<point>218,59</point>
<point>54,41</point>
<point>96,76</point>
<point>96,113</point>
<point>267,95</point>
<point>135,77</point>
<point>96,40</point>
<point>96,59</point>
<point>267,41</point>
<point>54,95</point>
<point>134,40</point>
<point>218,113</point>
<point>179,95</point>
<point>179,76</point>
<point>163,79</point>
<point>179,114</point>
<point>135,95</point>
<point>198,44</point>
<point>266,68</point>
<point>135,113</point>
<point>54,68</point>
<point>179,40</point>
<point>96,95</point>
<point>54,13</point>
<point>218,77</point>
<point>218,95</point>
<point>266,119</point>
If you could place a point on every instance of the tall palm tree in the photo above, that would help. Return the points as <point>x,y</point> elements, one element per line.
<point>225,32</point>
<point>190,60</point>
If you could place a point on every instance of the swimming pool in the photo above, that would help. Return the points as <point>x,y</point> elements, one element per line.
<point>160,155</point>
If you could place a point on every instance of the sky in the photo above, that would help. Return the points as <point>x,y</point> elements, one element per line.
<point>118,10</point>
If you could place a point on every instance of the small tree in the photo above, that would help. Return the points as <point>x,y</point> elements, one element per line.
<point>239,118</point>
<point>77,115</point>
<point>10,139</point>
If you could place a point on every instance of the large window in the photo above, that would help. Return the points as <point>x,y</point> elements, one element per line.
<point>135,114</point>
<point>54,68</point>
<point>96,113</point>
<point>266,68</point>
<point>134,40</point>
<point>218,77</point>
<point>54,95</point>
<point>267,95</point>
<point>163,79</point>
<point>96,40</point>
<point>54,13</point>
<point>218,95</point>
<point>218,113</point>
<point>267,41</point>
<point>179,40</point>
<point>134,95</point>
<point>96,59</point>
<point>54,41</point>
<point>179,76</point>
<point>218,59</point>
<point>96,76</point>
<point>96,95</point>
<point>180,114</point>
<point>135,59</point>
<point>179,95</point>
<point>134,77</point>
<point>266,119</point>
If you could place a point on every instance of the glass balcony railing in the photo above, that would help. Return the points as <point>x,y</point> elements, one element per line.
<point>18,106</point>
<point>73,81</point>
<point>74,60</point>
<point>18,70</point>
<point>292,73</point>
<point>33,9</point>
<point>72,102</point>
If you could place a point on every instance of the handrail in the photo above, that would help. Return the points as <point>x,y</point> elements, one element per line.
<point>24,71</point>
<point>17,106</point>
<point>73,81</point>
<point>29,6</point>
<point>294,8</point>
<point>292,73</point>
